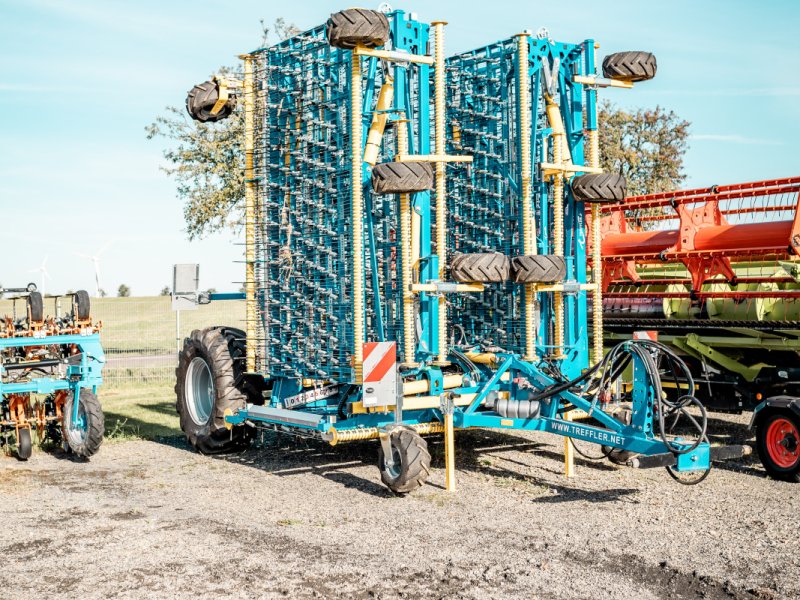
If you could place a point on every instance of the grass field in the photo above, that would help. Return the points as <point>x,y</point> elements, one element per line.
<point>146,324</point>
<point>137,329</point>
<point>145,411</point>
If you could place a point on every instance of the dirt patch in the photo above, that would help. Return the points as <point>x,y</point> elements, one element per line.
<point>304,520</point>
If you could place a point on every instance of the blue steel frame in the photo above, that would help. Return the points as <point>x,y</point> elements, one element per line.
<point>87,374</point>
<point>511,375</point>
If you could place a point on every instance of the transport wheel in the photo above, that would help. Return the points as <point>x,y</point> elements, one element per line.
<point>778,444</point>
<point>202,98</point>
<point>618,456</point>
<point>81,305</point>
<point>35,308</point>
<point>402,178</point>
<point>599,187</point>
<point>83,438</point>
<point>412,462</point>
<point>357,26</point>
<point>538,268</point>
<point>24,443</point>
<point>630,66</point>
<point>489,267</point>
<point>206,388</point>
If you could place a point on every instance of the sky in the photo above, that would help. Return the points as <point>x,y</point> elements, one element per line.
<point>80,80</point>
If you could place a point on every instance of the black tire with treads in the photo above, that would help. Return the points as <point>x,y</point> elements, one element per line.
<point>24,443</point>
<point>630,66</point>
<point>599,187</point>
<point>412,461</point>
<point>202,98</point>
<point>35,308</point>
<point>89,442</point>
<point>357,27</point>
<point>538,268</point>
<point>82,305</point>
<point>402,177</point>
<point>220,348</point>
<point>487,267</point>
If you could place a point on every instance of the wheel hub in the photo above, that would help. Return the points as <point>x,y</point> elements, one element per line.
<point>783,443</point>
<point>199,391</point>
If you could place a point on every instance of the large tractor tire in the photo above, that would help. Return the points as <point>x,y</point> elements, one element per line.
<point>630,66</point>
<point>357,27</point>
<point>488,267</point>
<point>778,444</point>
<point>202,98</point>
<point>35,305</point>
<point>402,178</point>
<point>82,305</point>
<point>83,438</point>
<point>599,188</point>
<point>538,268</point>
<point>412,462</point>
<point>206,389</point>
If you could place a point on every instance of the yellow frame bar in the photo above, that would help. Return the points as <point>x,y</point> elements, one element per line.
<point>394,55</point>
<point>435,158</point>
<point>602,82</point>
<point>458,287</point>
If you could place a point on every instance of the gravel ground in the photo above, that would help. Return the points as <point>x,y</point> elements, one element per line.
<point>150,519</point>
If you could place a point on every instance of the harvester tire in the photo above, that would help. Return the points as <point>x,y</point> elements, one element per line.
<point>412,462</point>
<point>83,440</point>
<point>82,305</point>
<point>35,308</point>
<point>488,267</point>
<point>402,177</point>
<point>24,443</point>
<point>630,66</point>
<point>357,27</point>
<point>202,98</point>
<point>778,444</point>
<point>599,187</point>
<point>206,390</point>
<point>538,268</point>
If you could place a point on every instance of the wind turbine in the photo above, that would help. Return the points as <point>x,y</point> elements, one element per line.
<point>43,270</point>
<point>95,258</point>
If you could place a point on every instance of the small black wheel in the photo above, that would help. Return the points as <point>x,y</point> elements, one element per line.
<point>81,305</point>
<point>618,456</point>
<point>538,268</point>
<point>84,435</point>
<point>202,98</point>
<point>778,444</point>
<point>411,462</point>
<point>488,267</point>
<point>630,66</point>
<point>208,369</point>
<point>35,308</point>
<point>402,177</point>
<point>599,187</point>
<point>24,443</point>
<point>357,27</point>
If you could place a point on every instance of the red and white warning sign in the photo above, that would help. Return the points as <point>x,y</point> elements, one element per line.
<point>645,335</point>
<point>380,374</point>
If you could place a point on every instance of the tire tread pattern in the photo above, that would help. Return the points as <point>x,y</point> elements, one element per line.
<point>487,267</point>
<point>415,461</point>
<point>219,347</point>
<point>202,98</point>
<point>402,177</point>
<point>538,268</point>
<point>357,26</point>
<point>630,66</point>
<point>599,187</point>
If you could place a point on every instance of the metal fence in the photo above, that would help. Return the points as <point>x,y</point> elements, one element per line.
<point>141,336</point>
